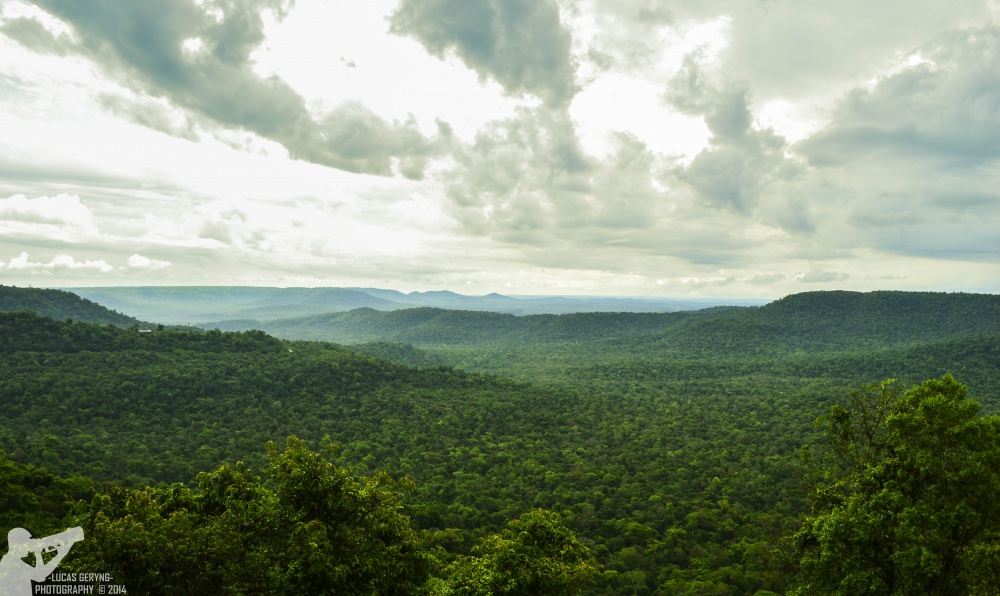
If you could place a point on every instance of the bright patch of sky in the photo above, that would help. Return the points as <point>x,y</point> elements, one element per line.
<point>392,75</point>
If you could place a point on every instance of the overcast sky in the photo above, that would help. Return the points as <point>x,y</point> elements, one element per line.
<point>621,147</point>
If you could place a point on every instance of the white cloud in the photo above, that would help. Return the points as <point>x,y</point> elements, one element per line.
<point>61,209</point>
<point>137,261</point>
<point>817,275</point>
<point>357,36</point>
<point>15,9</point>
<point>865,159</point>
<point>59,264</point>
<point>63,217</point>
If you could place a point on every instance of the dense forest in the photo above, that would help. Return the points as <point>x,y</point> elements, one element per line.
<point>604,453</point>
<point>60,305</point>
<point>812,320</point>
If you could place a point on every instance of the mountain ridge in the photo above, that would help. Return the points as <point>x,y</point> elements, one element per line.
<point>61,304</point>
<point>808,321</point>
<point>202,304</point>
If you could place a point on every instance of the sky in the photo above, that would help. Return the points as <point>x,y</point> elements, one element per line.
<point>752,148</point>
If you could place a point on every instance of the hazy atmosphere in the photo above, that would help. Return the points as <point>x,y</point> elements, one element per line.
<point>597,147</point>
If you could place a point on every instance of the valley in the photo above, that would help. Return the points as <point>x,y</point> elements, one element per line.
<point>668,444</point>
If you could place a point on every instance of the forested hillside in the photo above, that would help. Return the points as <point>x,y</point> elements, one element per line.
<point>815,321</point>
<point>183,305</point>
<point>648,483</point>
<point>435,326</point>
<point>848,337</point>
<point>60,305</point>
<point>197,304</point>
<point>668,445</point>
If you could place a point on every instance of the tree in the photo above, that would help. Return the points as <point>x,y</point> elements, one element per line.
<point>536,554</point>
<point>346,536</point>
<point>321,531</point>
<point>912,505</point>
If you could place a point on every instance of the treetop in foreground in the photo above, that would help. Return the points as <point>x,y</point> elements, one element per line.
<point>315,528</point>
<point>912,506</point>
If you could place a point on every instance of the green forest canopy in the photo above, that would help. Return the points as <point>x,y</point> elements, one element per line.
<point>677,471</point>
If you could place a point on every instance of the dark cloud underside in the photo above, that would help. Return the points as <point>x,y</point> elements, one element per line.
<point>521,44</point>
<point>741,161</point>
<point>946,111</point>
<point>142,42</point>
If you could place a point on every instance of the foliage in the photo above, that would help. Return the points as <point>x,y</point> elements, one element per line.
<point>914,508</point>
<point>662,483</point>
<point>536,554</point>
<point>405,354</point>
<point>664,444</point>
<point>811,321</point>
<point>60,304</point>
<point>320,531</point>
<point>33,499</point>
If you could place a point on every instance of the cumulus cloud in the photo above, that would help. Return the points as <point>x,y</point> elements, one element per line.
<point>217,224</point>
<point>149,46</point>
<point>62,217</point>
<point>821,276</point>
<point>522,173</point>
<point>151,113</point>
<point>58,210</point>
<point>909,160</point>
<point>137,261</point>
<point>942,109</point>
<point>521,44</point>
<point>59,264</point>
<point>741,161</point>
<point>902,167</point>
<point>31,33</point>
<point>795,49</point>
<point>620,35</point>
<point>526,178</point>
<point>801,49</point>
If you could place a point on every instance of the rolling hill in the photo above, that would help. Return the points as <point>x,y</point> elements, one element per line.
<point>59,304</point>
<point>668,442</point>
<point>814,321</point>
<point>201,304</point>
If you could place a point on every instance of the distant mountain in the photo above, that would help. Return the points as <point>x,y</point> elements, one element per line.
<point>201,304</point>
<point>553,305</point>
<point>197,304</point>
<point>62,305</point>
<point>814,321</point>
<point>840,320</point>
<point>436,326</point>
